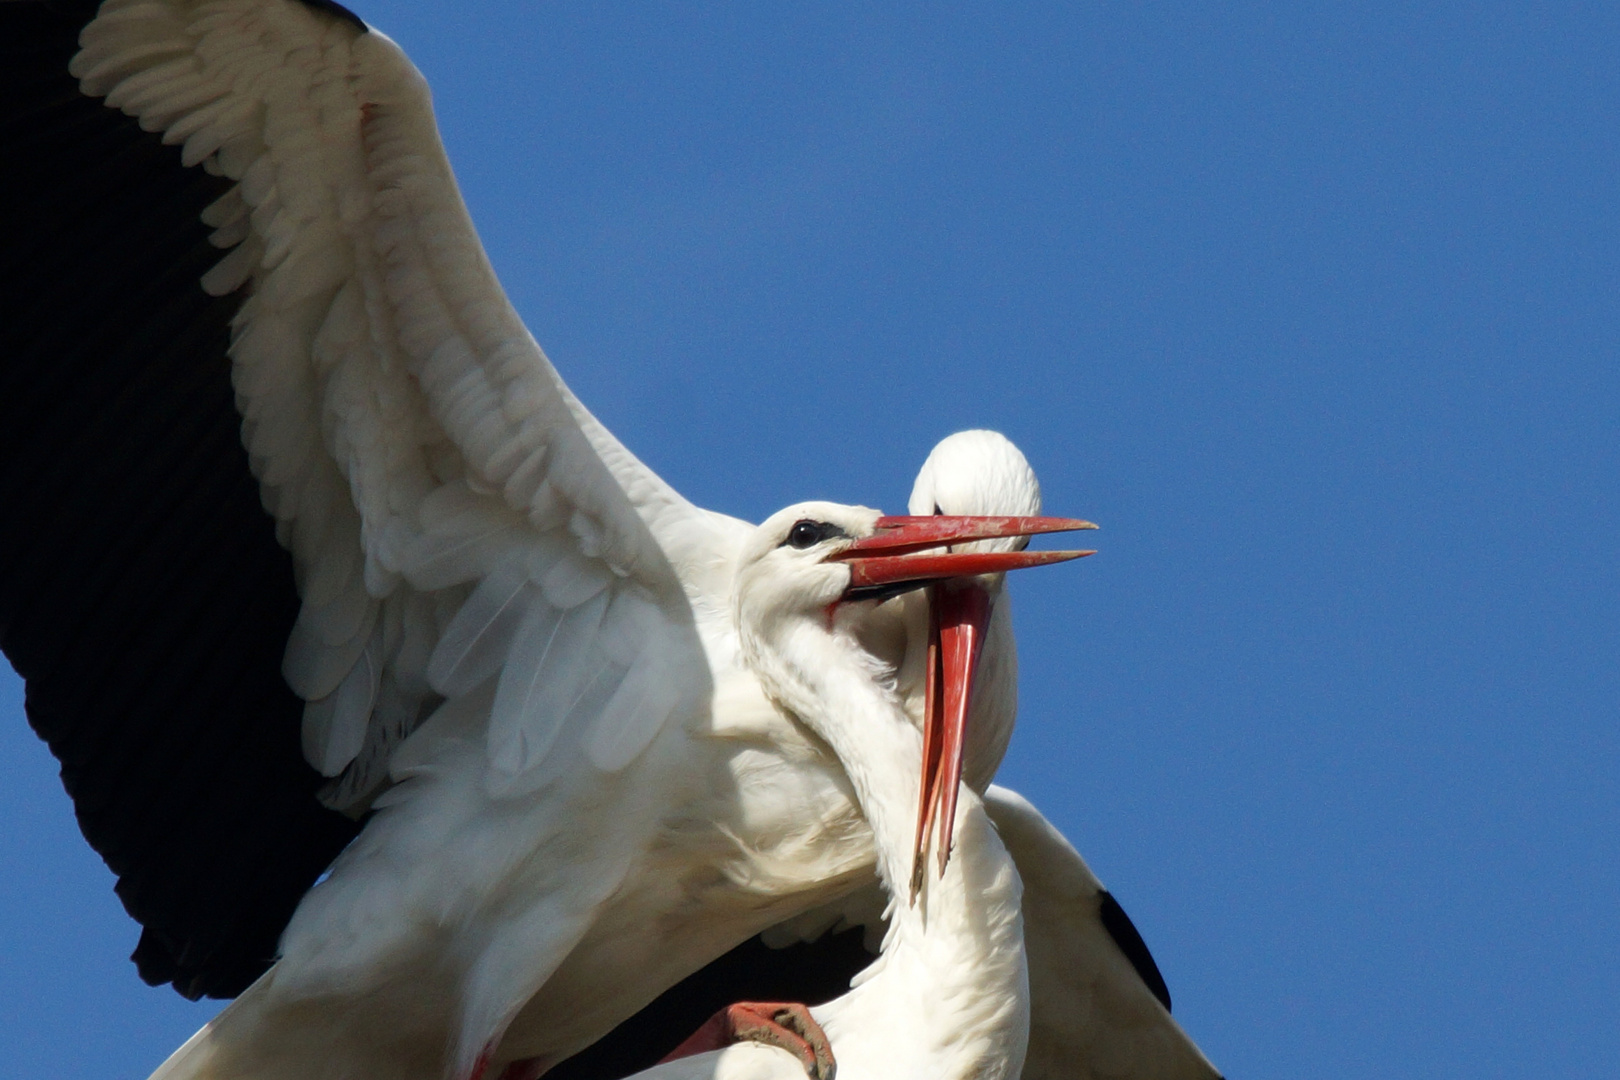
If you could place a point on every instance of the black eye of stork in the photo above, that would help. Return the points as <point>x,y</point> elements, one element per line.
<point>807,534</point>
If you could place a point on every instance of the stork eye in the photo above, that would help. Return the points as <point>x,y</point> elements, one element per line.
<point>804,534</point>
<point>807,533</point>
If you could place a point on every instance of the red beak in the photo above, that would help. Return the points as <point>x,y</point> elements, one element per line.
<point>958,619</point>
<point>897,535</point>
<point>896,559</point>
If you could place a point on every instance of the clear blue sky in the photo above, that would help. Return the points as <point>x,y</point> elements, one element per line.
<point>1314,307</point>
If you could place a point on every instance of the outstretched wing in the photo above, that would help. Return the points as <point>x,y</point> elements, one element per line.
<point>1098,1006</point>
<point>456,523</point>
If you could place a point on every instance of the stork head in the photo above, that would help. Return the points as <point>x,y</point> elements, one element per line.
<point>818,558</point>
<point>977,472</point>
<point>790,569</point>
<point>810,570</point>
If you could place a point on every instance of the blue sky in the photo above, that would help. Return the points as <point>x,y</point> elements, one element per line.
<point>1312,306</point>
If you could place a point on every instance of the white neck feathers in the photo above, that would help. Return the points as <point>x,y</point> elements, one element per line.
<point>949,996</point>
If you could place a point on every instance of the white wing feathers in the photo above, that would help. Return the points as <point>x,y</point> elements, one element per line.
<point>449,517</point>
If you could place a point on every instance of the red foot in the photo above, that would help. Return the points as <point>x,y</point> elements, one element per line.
<point>783,1024</point>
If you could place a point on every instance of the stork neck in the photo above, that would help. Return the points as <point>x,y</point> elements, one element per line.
<point>950,992</point>
<point>835,686</point>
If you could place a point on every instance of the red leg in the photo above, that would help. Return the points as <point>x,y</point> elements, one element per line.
<point>787,1025</point>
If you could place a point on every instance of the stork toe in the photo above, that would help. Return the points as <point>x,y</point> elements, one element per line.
<point>786,1025</point>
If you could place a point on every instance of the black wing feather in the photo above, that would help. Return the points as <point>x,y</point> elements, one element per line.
<point>143,596</point>
<point>1125,935</point>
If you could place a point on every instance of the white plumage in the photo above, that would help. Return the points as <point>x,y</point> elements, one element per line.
<point>515,645</point>
<point>976,473</point>
<point>465,551</point>
<point>1093,1016</point>
<point>579,791</point>
<point>948,997</point>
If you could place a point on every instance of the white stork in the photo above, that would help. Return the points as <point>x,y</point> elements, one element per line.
<point>1100,1007</point>
<point>509,645</point>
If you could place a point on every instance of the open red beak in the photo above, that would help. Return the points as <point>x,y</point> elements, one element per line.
<point>897,558</point>
<point>903,555</point>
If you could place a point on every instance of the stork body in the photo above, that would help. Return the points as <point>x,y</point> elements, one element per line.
<point>683,889</point>
<point>1100,1007</point>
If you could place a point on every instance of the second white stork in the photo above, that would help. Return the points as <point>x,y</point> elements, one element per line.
<point>1099,1005</point>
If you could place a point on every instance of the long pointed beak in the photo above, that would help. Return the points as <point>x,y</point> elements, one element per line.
<point>958,621</point>
<point>897,558</point>
<point>906,553</point>
<point>898,535</point>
